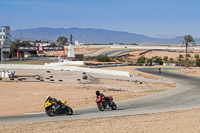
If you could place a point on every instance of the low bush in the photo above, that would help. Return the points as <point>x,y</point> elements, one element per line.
<point>103,59</point>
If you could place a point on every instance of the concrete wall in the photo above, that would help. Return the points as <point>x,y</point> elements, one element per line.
<point>138,47</point>
<point>65,62</point>
<point>66,68</point>
<point>108,65</point>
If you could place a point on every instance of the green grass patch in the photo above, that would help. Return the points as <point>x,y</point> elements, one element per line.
<point>103,53</point>
<point>126,51</point>
<point>154,91</point>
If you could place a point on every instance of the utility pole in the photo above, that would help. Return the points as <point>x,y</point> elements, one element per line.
<point>1,54</point>
<point>71,42</point>
<point>21,36</point>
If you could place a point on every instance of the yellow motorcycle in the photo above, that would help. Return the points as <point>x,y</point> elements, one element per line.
<point>53,108</point>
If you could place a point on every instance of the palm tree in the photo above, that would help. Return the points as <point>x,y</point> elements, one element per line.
<point>187,39</point>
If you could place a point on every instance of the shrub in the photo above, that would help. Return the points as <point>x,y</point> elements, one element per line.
<point>103,59</point>
<point>198,62</point>
<point>149,61</point>
<point>157,59</point>
<point>165,58</point>
<point>171,60</point>
<point>196,56</point>
<point>188,55</point>
<point>141,59</point>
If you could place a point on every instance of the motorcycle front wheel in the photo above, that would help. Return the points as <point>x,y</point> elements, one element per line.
<point>49,112</point>
<point>101,107</point>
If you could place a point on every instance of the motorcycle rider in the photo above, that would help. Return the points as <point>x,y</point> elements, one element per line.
<point>51,100</point>
<point>102,96</point>
<point>99,94</point>
<point>159,70</point>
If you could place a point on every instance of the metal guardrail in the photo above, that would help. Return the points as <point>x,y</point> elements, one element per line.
<point>107,65</point>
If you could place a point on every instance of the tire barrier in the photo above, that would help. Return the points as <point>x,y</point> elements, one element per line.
<point>11,78</point>
<point>66,68</point>
<point>85,77</point>
<point>19,79</point>
<point>37,77</point>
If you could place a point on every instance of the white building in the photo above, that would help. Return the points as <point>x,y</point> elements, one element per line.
<point>43,44</point>
<point>71,51</point>
<point>0,52</point>
<point>77,43</point>
<point>5,40</point>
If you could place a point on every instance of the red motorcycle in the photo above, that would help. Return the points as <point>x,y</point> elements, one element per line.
<point>105,102</point>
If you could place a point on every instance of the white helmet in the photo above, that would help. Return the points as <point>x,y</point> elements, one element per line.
<point>48,98</point>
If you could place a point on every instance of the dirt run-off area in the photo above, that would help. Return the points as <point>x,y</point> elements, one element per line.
<point>82,94</point>
<point>192,71</point>
<point>28,96</point>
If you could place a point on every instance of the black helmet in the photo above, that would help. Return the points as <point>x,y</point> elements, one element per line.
<point>97,93</point>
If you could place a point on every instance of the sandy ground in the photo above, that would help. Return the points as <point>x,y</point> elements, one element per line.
<point>28,96</point>
<point>171,122</point>
<point>102,50</point>
<point>192,71</point>
<point>76,51</point>
<point>176,122</point>
<point>172,54</point>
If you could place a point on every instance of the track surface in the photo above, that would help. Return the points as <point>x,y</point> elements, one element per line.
<point>185,96</point>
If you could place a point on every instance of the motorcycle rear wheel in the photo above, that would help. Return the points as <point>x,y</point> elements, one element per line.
<point>68,110</point>
<point>113,106</point>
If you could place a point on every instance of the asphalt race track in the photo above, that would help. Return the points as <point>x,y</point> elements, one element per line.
<point>185,96</point>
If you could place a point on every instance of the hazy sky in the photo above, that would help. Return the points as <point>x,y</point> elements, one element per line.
<point>148,17</point>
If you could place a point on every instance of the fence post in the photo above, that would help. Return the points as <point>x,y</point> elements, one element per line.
<point>63,52</point>
<point>18,53</point>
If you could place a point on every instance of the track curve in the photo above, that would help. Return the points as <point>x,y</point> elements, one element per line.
<point>185,96</point>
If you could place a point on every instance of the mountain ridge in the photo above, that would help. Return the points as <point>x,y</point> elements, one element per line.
<point>90,35</point>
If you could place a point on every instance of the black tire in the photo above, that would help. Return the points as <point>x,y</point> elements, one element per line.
<point>101,107</point>
<point>68,111</point>
<point>84,77</point>
<point>49,112</point>
<point>113,106</point>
